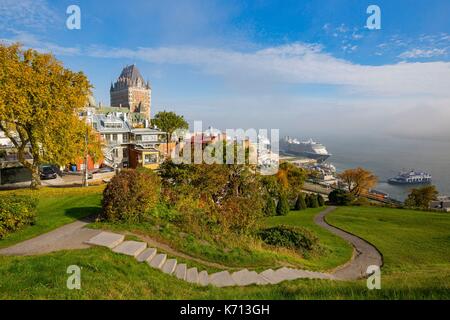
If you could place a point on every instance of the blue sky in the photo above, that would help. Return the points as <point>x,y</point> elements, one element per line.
<point>262,64</point>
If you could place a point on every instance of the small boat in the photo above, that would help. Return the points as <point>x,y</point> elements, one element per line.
<point>411,177</point>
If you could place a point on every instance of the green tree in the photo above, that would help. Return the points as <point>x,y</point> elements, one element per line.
<point>321,200</point>
<point>169,121</point>
<point>282,205</point>
<point>421,197</point>
<point>300,204</point>
<point>39,105</point>
<point>340,197</point>
<point>270,208</point>
<point>313,202</point>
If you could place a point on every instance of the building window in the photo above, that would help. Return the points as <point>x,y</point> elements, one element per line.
<point>125,137</point>
<point>108,137</point>
<point>115,137</point>
<point>125,153</point>
<point>151,158</point>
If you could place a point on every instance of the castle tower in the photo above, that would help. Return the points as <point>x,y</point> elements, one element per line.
<point>132,92</point>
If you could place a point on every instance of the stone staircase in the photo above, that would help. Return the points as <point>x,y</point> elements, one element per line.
<point>143,254</point>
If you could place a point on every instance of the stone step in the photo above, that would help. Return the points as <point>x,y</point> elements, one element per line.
<point>130,248</point>
<point>221,279</point>
<point>180,271</point>
<point>169,266</point>
<point>245,278</point>
<point>271,277</point>
<point>287,274</point>
<point>192,275</point>
<point>106,239</point>
<point>203,278</point>
<point>157,261</point>
<point>146,255</point>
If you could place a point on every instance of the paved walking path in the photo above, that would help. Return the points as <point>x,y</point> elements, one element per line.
<point>69,236</point>
<point>76,236</point>
<point>364,255</point>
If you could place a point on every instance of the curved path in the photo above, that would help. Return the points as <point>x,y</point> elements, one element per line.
<point>365,254</point>
<point>76,236</point>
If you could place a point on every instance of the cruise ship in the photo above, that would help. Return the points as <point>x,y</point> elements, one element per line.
<point>411,177</point>
<point>309,149</point>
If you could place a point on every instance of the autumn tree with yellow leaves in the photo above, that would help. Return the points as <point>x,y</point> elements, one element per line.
<point>358,180</point>
<point>39,105</point>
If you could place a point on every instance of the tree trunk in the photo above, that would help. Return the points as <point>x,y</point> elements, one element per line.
<point>35,177</point>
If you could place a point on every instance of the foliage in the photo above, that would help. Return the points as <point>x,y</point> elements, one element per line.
<point>271,208</point>
<point>295,238</point>
<point>311,201</point>
<point>216,196</point>
<point>168,122</point>
<point>291,179</point>
<point>300,204</point>
<point>283,207</point>
<point>358,180</point>
<point>340,197</point>
<point>39,101</point>
<point>16,211</point>
<point>421,197</point>
<point>320,200</point>
<point>131,195</point>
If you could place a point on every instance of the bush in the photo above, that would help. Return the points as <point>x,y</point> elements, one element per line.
<point>340,197</point>
<point>320,200</point>
<point>283,207</point>
<point>15,212</point>
<point>300,204</point>
<point>131,195</point>
<point>294,238</point>
<point>311,201</point>
<point>271,208</point>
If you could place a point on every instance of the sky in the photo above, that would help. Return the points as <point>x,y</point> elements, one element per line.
<point>306,67</point>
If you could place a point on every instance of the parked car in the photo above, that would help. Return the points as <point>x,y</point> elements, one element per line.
<point>105,169</point>
<point>48,173</point>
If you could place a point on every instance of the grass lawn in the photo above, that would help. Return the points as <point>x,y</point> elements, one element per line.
<point>57,207</point>
<point>336,250</point>
<point>415,244</point>
<point>246,252</point>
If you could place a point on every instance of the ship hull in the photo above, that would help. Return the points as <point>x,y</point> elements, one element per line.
<point>318,157</point>
<point>403,183</point>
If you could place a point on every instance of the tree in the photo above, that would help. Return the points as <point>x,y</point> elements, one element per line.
<point>169,121</point>
<point>300,204</point>
<point>421,197</point>
<point>39,105</point>
<point>340,197</point>
<point>321,200</point>
<point>291,179</point>
<point>313,202</point>
<point>282,205</point>
<point>270,209</point>
<point>358,180</point>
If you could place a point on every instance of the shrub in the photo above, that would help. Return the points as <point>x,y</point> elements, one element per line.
<point>271,208</point>
<point>300,204</point>
<point>15,212</point>
<point>340,197</point>
<point>320,200</point>
<point>131,195</point>
<point>295,238</point>
<point>282,205</point>
<point>313,202</point>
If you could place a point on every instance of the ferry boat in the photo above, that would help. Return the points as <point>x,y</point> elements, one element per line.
<point>309,149</point>
<point>411,177</point>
